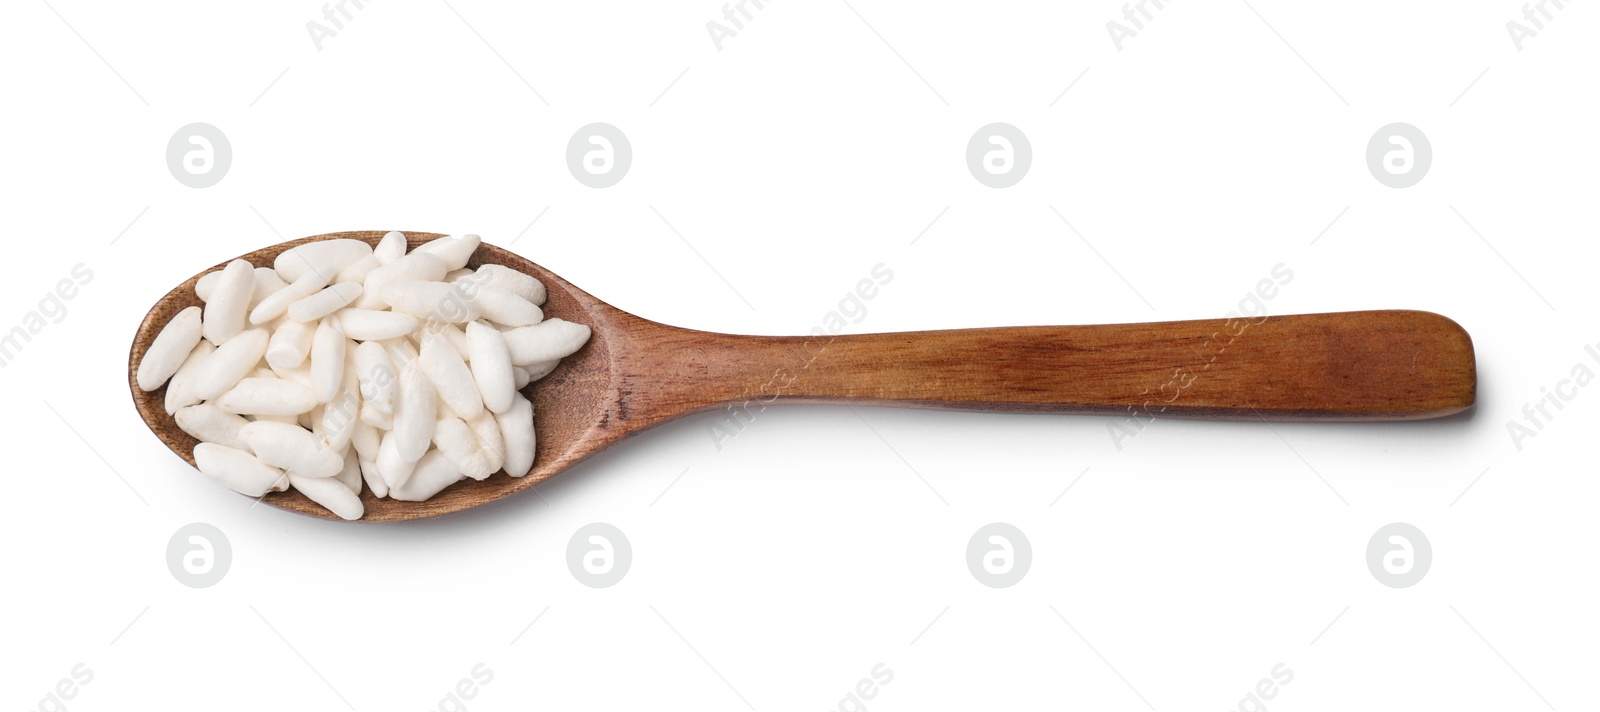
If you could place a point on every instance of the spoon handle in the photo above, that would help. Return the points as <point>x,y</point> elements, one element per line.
<point>1372,365</point>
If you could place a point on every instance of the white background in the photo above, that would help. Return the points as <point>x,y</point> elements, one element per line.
<point>824,138</point>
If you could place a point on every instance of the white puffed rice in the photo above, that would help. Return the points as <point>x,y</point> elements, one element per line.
<point>344,367</point>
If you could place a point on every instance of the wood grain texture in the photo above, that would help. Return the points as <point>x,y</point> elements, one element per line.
<point>1358,366</point>
<point>635,373</point>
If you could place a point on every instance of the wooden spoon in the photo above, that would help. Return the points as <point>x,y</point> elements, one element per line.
<point>635,373</point>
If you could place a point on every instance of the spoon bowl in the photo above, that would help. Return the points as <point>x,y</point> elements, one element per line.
<point>567,403</point>
<point>634,374</point>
